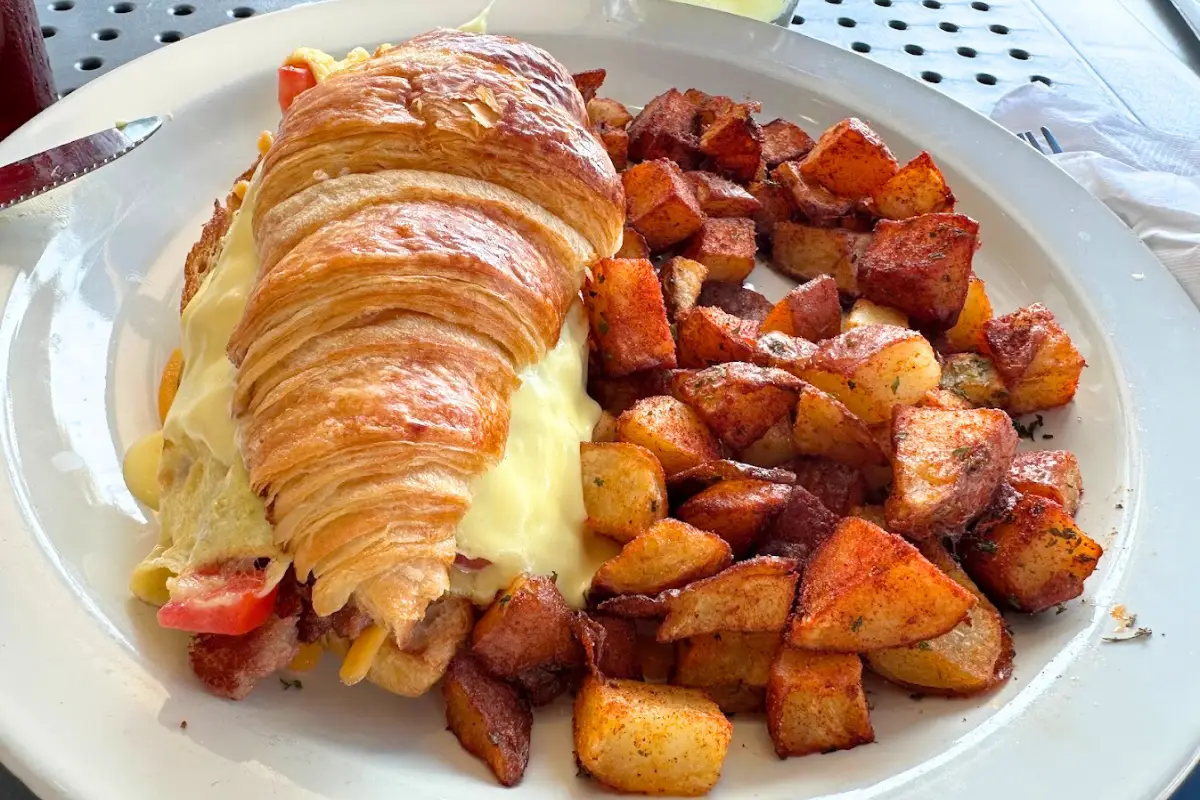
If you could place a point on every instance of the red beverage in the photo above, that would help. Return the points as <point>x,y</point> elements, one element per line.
<point>26,86</point>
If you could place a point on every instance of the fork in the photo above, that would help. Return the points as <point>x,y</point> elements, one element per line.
<point>1031,138</point>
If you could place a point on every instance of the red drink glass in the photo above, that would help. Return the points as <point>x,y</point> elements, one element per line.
<point>26,86</point>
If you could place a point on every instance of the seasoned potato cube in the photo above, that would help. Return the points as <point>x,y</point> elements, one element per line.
<point>816,204</point>
<point>609,645</point>
<point>850,160</point>
<point>946,466</point>
<point>975,379</point>
<point>665,129</point>
<point>866,589</point>
<point>810,311</point>
<point>816,703</point>
<point>739,402</point>
<point>736,510</point>
<point>616,144</point>
<point>943,399</point>
<point>671,431</point>
<point>735,299</point>
<point>1028,553</point>
<point>659,204</point>
<point>754,595</point>
<point>649,739</point>
<point>871,513</point>
<point>734,143</point>
<point>681,280</point>
<point>490,718</point>
<point>669,555</point>
<point>967,333</point>
<point>784,141</point>
<point>589,82</point>
<point>921,266</point>
<point>774,206</point>
<point>683,485</point>
<point>726,246</point>
<point>804,251</point>
<point>825,427</point>
<point>839,487</point>
<point>624,488</point>
<point>864,313</point>
<point>606,111</point>
<point>628,317</point>
<point>788,353</point>
<point>774,448</point>
<point>1053,474</point>
<point>875,368</point>
<point>731,667</point>
<point>1035,357</point>
<point>617,395</point>
<point>799,529</point>
<point>527,626</point>
<point>720,197</point>
<point>918,188</point>
<point>633,245</point>
<point>710,336</point>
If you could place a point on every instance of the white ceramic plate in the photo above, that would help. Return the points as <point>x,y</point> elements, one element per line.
<point>93,694</point>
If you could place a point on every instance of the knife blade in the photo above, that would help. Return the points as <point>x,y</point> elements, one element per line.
<point>51,168</point>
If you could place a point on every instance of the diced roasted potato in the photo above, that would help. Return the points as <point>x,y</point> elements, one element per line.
<point>671,431</point>
<point>943,399</point>
<point>875,368</point>
<point>624,488</point>
<point>609,645</point>
<point>721,197</point>
<point>810,311</point>
<point>669,555</point>
<point>710,336</point>
<point>788,353</point>
<point>711,106</point>
<point>589,82</point>
<point>975,379</point>
<point>1035,357</point>
<point>605,429</point>
<point>665,128</point>
<point>947,466</point>
<point>918,188</point>
<point>617,395</point>
<point>616,144</point>
<point>864,313</point>
<point>726,246</point>
<point>739,402</point>
<point>736,510</point>
<point>633,245</point>
<point>628,317</point>
<point>816,204</point>
<point>799,529</point>
<point>681,280</point>
<point>490,718</point>
<point>839,487</point>
<point>734,143</point>
<point>1027,552</point>
<point>825,427</point>
<point>816,703</point>
<point>527,626</point>
<point>683,485</point>
<point>1053,474</point>
<point>649,739</point>
<point>850,160</point>
<point>606,111</point>
<point>659,204</point>
<point>784,141</point>
<point>731,667</point>
<point>871,513</point>
<point>735,299</point>
<point>753,595</point>
<point>774,207</point>
<point>866,589</point>
<point>774,448</point>
<point>967,333</point>
<point>921,266</point>
<point>807,252</point>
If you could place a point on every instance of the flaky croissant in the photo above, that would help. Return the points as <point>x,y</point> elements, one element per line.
<point>423,220</point>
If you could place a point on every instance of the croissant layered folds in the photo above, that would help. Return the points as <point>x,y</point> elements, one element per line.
<point>423,221</point>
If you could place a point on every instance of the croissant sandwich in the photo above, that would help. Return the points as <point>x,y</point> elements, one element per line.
<point>383,365</point>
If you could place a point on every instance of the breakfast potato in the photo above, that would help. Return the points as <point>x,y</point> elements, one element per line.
<point>816,703</point>
<point>1035,357</point>
<point>824,427</point>
<point>874,369</point>
<point>811,311</point>
<point>774,448</point>
<point>921,266</point>
<point>735,299</point>
<point>648,738</point>
<point>721,197</point>
<point>710,106</point>
<point>816,204</point>
<point>739,402</point>
<point>589,82</point>
<point>633,245</point>
<point>974,378</point>
<point>731,667</point>
<point>670,430</point>
<point>918,188</point>
<point>726,246</point>
<point>871,513</point>
<point>773,206</point>
<point>628,317</point>
<point>967,333</point>
<point>606,111</point>
<point>866,589</point>
<point>683,485</point>
<point>864,313</point>
<point>947,466</point>
<point>788,353</point>
<point>681,280</point>
<point>1053,474</point>
<point>708,336</point>
<point>733,142</point>
<point>610,646</point>
<point>799,529</point>
<point>753,595</point>
<point>669,555</point>
<point>616,144</point>
<point>784,141</point>
<point>943,399</point>
<point>527,626</point>
<point>617,395</point>
<point>659,204</point>
<point>665,129</point>
<point>605,429</point>
<point>806,252</point>
<point>975,656</point>
<point>735,510</point>
<point>624,488</point>
<point>1028,553</point>
<point>490,718</point>
<point>839,487</point>
<point>850,160</point>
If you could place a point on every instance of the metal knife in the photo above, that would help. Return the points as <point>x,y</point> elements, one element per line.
<point>52,168</point>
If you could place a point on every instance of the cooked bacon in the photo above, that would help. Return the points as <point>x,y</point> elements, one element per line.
<point>229,666</point>
<point>295,600</point>
<point>348,622</point>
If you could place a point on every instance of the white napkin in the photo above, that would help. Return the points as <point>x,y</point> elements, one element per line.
<point>1150,179</point>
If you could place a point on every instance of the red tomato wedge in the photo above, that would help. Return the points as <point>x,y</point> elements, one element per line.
<point>293,81</point>
<point>213,601</point>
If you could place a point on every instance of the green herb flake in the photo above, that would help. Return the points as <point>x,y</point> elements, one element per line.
<point>1061,533</point>
<point>924,646</point>
<point>856,624</point>
<point>603,327</point>
<point>960,452</point>
<point>653,506</point>
<point>986,546</point>
<point>598,481</point>
<point>1139,633</point>
<point>852,384</point>
<point>896,385</point>
<point>505,600</point>
<point>1027,431</point>
<point>296,684</point>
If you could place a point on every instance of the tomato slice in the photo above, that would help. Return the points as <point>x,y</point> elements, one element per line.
<point>293,81</point>
<point>213,600</point>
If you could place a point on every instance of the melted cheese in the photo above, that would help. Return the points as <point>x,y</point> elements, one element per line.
<point>480,23</point>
